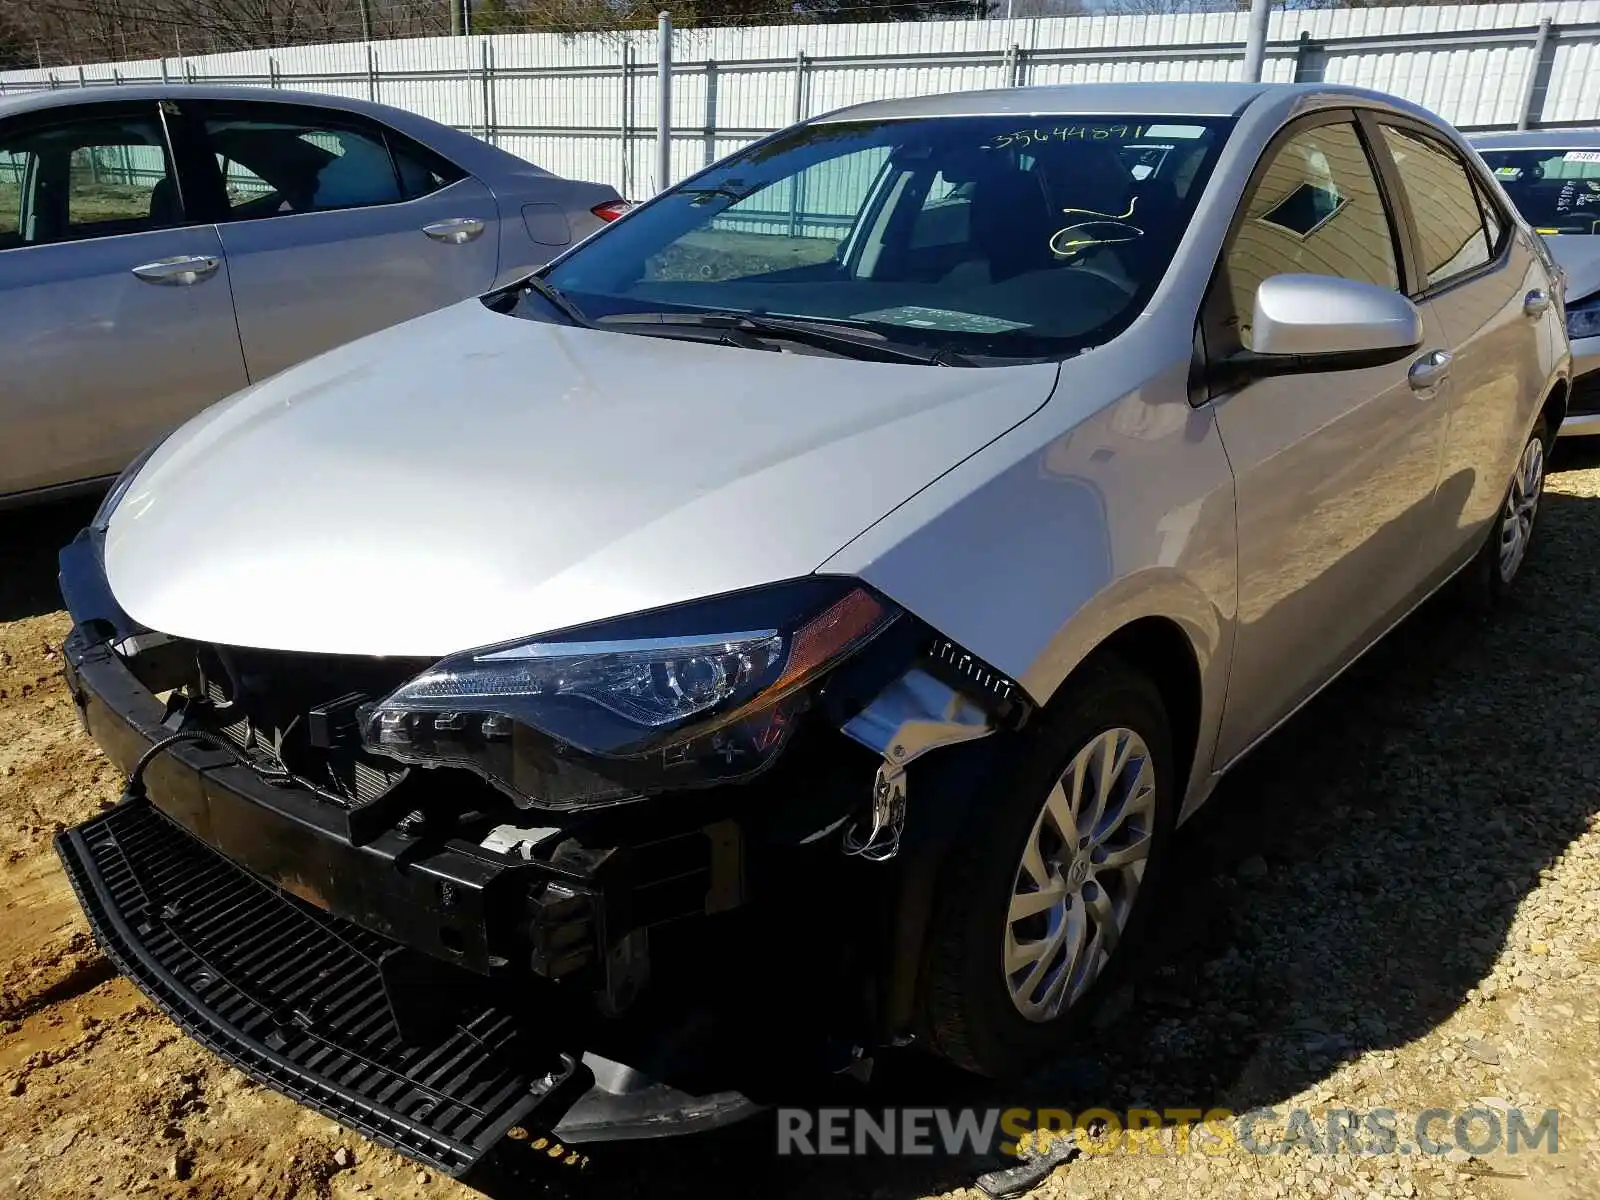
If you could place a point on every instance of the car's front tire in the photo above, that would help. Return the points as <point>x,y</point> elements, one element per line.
<point>1055,874</point>
<point>1505,548</point>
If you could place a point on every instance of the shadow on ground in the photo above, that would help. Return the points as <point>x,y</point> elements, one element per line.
<point>1340,894</point>
<point>30,538</point>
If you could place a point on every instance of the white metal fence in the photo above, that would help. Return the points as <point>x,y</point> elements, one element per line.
<point>585,105</point>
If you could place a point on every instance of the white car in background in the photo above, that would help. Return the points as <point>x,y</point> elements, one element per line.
<point>1553,177</point>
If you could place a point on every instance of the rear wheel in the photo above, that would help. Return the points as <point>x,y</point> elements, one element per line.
<point>1510,537</point>
<point>1037,916</point>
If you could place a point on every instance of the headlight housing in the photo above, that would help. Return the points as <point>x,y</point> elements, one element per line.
<point>703,694</point>
<point>1583,318</point>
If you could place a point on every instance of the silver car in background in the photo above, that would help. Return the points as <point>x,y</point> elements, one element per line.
<point>1553,177</point>
<point>795,621</point>
<point>162,247</point>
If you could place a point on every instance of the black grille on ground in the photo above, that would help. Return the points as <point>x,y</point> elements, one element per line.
<point>294,998</point>
<point>1585,398</point>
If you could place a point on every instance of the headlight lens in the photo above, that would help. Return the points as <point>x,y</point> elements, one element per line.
<point>599,714</point>
<point>1584,320</point>
<point>650,684</point>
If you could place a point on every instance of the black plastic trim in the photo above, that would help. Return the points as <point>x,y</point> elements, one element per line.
<point>454,900</point>
<point>462,1082</point>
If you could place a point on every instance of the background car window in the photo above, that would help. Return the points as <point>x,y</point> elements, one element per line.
<point>273,166</point>
<point>795,222</point>
<point>1448,219</point>
<point>1316,210</point>
<point>93,178</point>
<point>1558,191</point>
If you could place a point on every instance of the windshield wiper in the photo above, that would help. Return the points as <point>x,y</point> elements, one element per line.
<point>558,299</point>
<point>820,333</point>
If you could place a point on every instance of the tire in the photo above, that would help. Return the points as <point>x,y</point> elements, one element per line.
<point>1491,575</point>
<point>968,1010</point>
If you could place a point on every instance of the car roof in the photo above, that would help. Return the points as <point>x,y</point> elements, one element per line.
<point>67,95</point>
<point>1539,139</point>
<point>1182,99</point>
<point>475,155</point>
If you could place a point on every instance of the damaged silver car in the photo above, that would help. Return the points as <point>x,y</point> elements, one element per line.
<point>794,622</point>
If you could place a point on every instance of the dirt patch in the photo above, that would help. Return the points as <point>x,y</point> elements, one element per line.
<point>1395,904</point>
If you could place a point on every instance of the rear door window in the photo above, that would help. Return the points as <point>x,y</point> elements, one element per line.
<point>1444,205</point>
<point>277,160</point>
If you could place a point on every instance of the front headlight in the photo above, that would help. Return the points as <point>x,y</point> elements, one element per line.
<point>1583,320</point>
<point>635,705</point>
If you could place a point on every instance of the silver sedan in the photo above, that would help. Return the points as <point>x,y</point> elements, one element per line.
<point>843,572</point>
<point>162,247</point>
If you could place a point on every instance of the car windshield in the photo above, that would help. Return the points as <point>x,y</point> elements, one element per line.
<point>987,237</point>
<point>1556,191</point>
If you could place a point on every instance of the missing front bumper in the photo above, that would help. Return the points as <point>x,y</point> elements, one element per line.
<point>298,1000</point>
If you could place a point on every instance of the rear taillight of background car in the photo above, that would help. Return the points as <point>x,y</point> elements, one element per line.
<point>611,209</point>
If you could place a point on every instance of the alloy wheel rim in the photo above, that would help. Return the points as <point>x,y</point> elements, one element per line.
<point>1080,873</point>
<point>1522,505</point>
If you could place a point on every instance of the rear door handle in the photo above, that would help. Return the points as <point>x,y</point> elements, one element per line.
<point>1535,303</point>
<point>183,271</point>
<point>455,231</point>
<point>1429,371</point>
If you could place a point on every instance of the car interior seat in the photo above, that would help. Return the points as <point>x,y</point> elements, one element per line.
<point>166,207</point>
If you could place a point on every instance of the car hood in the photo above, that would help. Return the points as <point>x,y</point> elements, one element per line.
<point>1579,256</point>
<point>468,478</point>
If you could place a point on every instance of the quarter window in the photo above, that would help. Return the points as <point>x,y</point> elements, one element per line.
<point>1493,221</point>
<point>1316,210</point>
<point>281,163</point>
<point>1444,206</point>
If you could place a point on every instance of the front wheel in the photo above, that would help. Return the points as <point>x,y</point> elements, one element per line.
<point>1038,910</point>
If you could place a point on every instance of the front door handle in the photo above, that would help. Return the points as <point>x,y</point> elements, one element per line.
<point>1535,304</point>
<point>183,271</point>
<point>1429,371</point>
<point>455,231</point>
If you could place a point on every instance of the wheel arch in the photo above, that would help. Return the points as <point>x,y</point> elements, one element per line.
<point>1164,624</point>
<point>1554,409</point>
<point>1158,648</point>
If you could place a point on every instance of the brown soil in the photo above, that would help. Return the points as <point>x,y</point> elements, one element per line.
<point>101,1096</point>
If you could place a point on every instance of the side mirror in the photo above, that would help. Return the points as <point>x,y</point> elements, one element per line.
<point>1307,323</point>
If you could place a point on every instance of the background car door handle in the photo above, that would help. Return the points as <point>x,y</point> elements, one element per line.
<point>182,271</point>
<point>455,231</point>
<point>1429,371</point>
<point>1535,304</point>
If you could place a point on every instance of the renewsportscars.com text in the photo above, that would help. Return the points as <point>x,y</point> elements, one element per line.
<point>1477,1130</point>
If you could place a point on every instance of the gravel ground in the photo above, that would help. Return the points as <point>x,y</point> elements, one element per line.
<point>1396,903</point>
